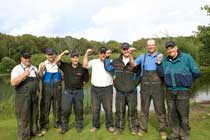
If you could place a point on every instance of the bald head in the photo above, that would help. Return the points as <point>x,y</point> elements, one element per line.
<point>151,46</point>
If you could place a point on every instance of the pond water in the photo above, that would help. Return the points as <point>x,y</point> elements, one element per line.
<point>200,90</point>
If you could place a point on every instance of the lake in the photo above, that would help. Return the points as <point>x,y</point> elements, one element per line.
<point>200,90</point>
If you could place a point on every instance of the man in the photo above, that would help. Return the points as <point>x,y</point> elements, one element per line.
<point>178,70</point>
<point>74,77</point>
<point>25,80</point>
<point>51,91</point>
<point>101,89</point>
<point>126,92</point>
<point>151,89</point>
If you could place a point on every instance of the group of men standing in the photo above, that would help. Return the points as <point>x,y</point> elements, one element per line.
<point>177,71</point>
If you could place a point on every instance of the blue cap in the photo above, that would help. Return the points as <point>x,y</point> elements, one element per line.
<point>125,45</point>
<point>50,51</point>
<point>73,54</point>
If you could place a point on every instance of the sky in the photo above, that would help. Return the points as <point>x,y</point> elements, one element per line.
<point>120,20</point>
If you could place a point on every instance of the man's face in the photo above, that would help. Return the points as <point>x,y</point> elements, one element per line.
<point>74,60</point>
<point>51,57</point>
<point>102,56</point>
<point>151,46</point>
<point>172,51</point>
<point>125,52</point>
<point>26,61</point>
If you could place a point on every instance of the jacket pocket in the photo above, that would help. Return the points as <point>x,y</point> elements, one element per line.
<point>183,79</point>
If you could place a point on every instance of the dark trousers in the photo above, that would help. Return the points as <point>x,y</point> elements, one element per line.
<point>151,89</point>
<point>26,108</point>
<point>123,100</point>
<point>104,96</point>
<point>50,95</point>
<point>152,92</point>
<point>72,98</point>
<point>178,113</point>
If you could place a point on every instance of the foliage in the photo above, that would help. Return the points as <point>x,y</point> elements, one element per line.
<point>203,35</point>
<point>6,64</point>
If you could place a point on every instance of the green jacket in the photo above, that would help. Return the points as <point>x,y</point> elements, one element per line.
<point>178,74</point>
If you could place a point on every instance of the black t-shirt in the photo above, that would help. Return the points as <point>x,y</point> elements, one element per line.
<point>74,77</point>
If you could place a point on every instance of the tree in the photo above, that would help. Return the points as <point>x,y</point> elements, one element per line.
<point>204,36</point>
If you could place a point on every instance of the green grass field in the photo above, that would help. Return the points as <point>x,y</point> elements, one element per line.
<point>199,120</point>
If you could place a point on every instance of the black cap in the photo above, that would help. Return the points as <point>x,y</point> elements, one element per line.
<point>103,49</point>
<point>170,44</point>
<point>25,54</point>
<point>73,54</point>
<point>125,45</point>
<point>50,51</point>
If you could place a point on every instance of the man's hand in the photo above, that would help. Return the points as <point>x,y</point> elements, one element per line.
<point>66,52</point>
<point>89,51</point>
<point>26,73</point>
<point>131,50</point>
<point>108,53</point>
<point>159,58</point>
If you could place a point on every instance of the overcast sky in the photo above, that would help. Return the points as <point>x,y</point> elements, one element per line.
<point>121,20</point>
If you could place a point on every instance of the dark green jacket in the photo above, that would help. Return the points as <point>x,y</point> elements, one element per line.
<point>178,74</point>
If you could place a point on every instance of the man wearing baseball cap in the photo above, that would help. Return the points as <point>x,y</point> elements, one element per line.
<point>126,91</point>
<point>101,89</point>
<point>178,70</point>
<point>74,78</point>
<point>51,91</point>
<point>24,78</point>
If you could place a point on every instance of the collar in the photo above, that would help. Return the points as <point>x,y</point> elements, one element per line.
<point>155,55</point>
<point>177,58</point>
<point>24,65</point>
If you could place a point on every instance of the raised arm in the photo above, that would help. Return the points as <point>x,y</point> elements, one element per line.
<point>60,56</point>
<point>85,59</point>
<point>131,59</point>
<point>160,66</point>
<point>107,63</point>
<point>41,70</point>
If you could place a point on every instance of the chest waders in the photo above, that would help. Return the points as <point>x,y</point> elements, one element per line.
<point>151,89</point>
<point>26,107</point>
<point>51,94</point>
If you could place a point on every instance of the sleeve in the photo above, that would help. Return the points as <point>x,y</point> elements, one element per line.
<point>193,67</point>
<point>138,60</point>
<point>86,75</point>
<point>15,73</point>
<point>90,63</point>
<point>62,65</point>
<point>160,69</point>
<point>108,65</point>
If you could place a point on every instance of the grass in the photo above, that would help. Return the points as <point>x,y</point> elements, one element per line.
<point>199,120</point>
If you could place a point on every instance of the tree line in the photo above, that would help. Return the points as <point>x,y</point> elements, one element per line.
<point>198,45</point>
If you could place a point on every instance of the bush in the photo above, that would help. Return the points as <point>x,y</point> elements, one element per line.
<point>6,64</point>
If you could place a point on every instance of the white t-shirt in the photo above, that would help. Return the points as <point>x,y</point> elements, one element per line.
<point>99,76</point>
<point>50,67</point>
<point>19,69</point>
<point>125,60</point>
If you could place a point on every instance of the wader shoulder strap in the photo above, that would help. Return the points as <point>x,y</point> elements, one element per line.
<point>143,64</point>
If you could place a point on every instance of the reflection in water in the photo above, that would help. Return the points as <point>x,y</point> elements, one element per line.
<point>200,90</point>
